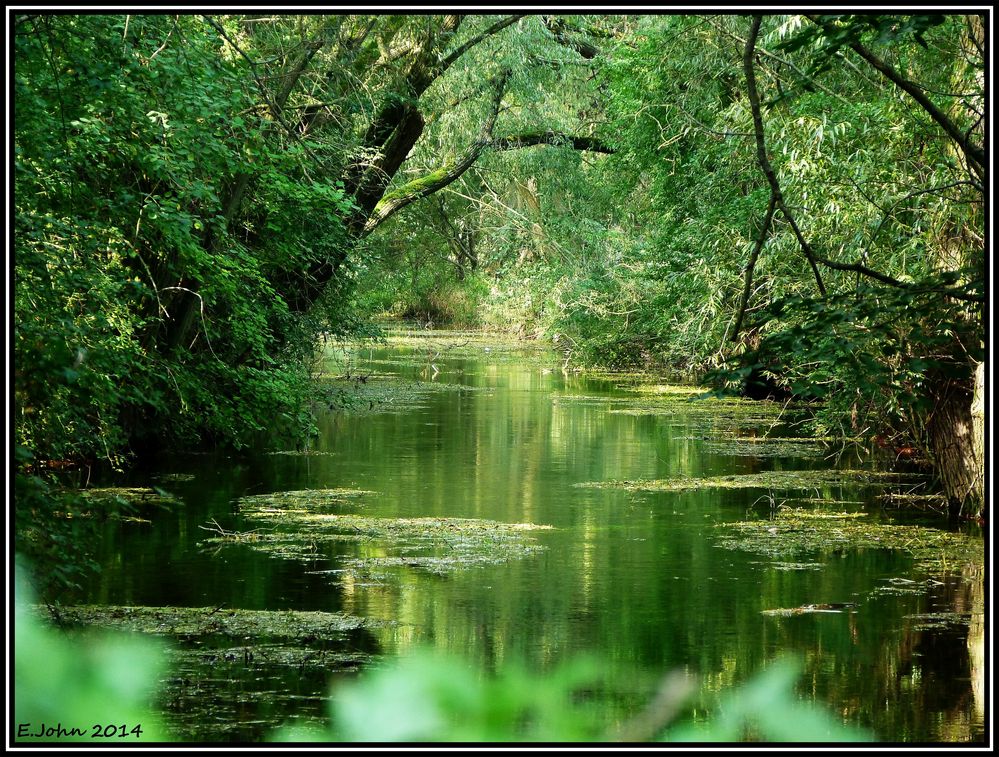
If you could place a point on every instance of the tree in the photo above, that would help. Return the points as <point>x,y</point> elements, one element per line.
<point>944,422</point>
<point>813,218</point>
<point>213,176</point>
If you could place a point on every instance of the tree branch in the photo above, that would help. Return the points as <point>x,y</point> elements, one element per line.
<point>802,75</point>
<point>513,142</point>
<point>488,32</point>
<point>974,153</point>
<point>778,198</point>
<point>394,201</point>
<point>272,106</point>
<point>761,150</point>
<point>751,264</point>
<point>559,29</point>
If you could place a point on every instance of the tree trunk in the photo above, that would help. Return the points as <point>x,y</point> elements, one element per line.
<point>978,440</point>
<point>953,447</point>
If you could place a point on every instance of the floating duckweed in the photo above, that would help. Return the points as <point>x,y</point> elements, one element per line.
<point>668,389</point>
<point>794,532</point>
<point>899,586</point>
<point>809,610</point>
<point>935,620</point>
<point>222,660</point>
<point>762,448</point>
<point>621,377</point>
<point>175,477</point>
<point>823,515</point>
<point>790,480</point>
<point>303,452</point>
<point>936,502</point>
<point>297,501</point>
<point>438,545</point>
<point>797,565</point>
<point>393,394</point>
<point>437,565</point>
<point>788,439</point>
<point>194,622</point>
<point>131,495</point>
<point>821,501</point>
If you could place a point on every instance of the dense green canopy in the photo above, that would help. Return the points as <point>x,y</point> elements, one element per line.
<point>796,201</point>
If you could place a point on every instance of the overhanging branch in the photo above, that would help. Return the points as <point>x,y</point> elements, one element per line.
<point>761,150</point>
<point>394,201</point>
<point>751,265</point>
<point>561,32</point>
<point>777,197</point>
<point>975,154</point>
<point>517,141</point>
<point>464,48</point>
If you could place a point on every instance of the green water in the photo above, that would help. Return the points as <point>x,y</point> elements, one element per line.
<point>637,578</point>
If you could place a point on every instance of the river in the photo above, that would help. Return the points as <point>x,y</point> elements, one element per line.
<point>453,426</point>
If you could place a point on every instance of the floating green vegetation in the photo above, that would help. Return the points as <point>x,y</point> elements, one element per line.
<point>302,452</point>
<point>626,379</point>
<point>899,586</point>
<point>175,477</point>
<point>778,480</point>
<point>135,496</point>
<point>795,532</point>
<point>932,621</point>
<point>809,610</point>
<point>245,692</point>
<point>713,416</point>
<point>673,390</point>
<point>393,394</point>
<point>820,501</point>
<point>786,439</point>
<point>301,500</point>
<point>822,515</point>
<point>788,566</point>
<point>761,447</point>
<point>935,502</point>
<point>438,545</point>
<point>225,661</point>
<point>374,567</point>
<point>715,406</point>
<point>188,623</point>
<point>589,399</point>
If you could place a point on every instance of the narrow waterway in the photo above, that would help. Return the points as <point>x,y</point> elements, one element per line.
<point>462,429</point>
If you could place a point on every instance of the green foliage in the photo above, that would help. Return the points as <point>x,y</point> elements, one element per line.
<point>191,193</point>
<point>766,709</point>
<point>871,356</point>
<point>52,530</point>
<point>431,697</point>
<point>833,32</point>
<point>81,684</point>
<point>147,304</point>
<point>429,292</point>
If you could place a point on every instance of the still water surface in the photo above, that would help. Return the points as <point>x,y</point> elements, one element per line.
<point>637,578</point>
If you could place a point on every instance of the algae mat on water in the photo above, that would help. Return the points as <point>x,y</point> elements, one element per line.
<point>211,636</point>
<point>794,531</point>
<point>131,495</point>
<point>781,480</point>
<point>391,394</point>
<point>296,525</point>
<point>194,622</point>
<point>239,673</point>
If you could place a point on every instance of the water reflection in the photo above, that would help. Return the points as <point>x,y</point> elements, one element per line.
<point>637,577</point>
